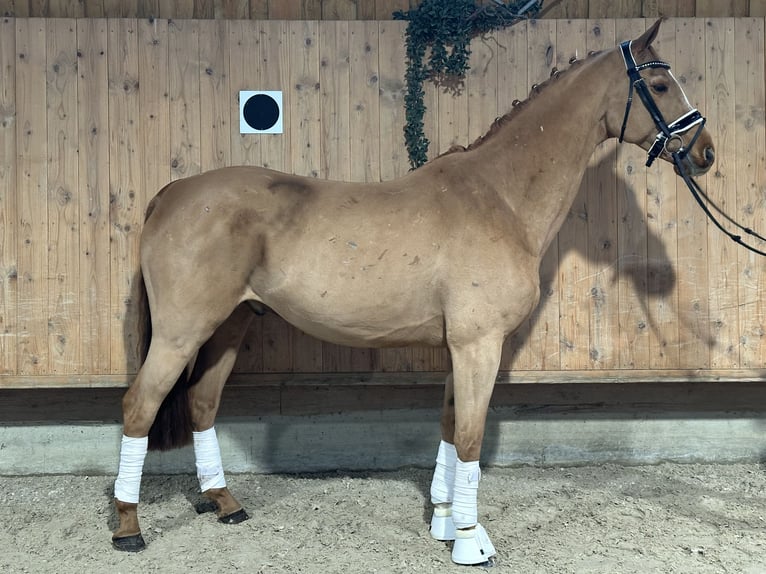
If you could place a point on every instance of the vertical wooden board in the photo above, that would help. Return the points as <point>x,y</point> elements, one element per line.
<point>154,96</point>
<point>177,9</point>
<point>305,136</point>
<point>244,62</point>
<point>481,86</point>
<point>364,131</point>
<point>65,9</point>
<point>757,8</point>
<point>569,9</point>
<point>8,199</point>
<point>393,157</point>
<point>511,45</point>
<point>537,344</point>
<point>259,9</point>
<point>364,99</point>
<point>672,9</point>
<point>184,90</point>
<point>393,154</point>
<point>245,66</point>
<point>110,9</point>
<point>721,8</point>
<point>14,8</point>
<point>334,84</point>
<point>692,266</point>
<point>148,9</point>
<point>31,189</point>
<point>601,251</point>
<point>215,95</point>
<point>203,9</point>
<point>231,9</point>
<point>662,243</point>
<point>722,252</point>
<point>339,9</point>
<point>612,9</point>
<point>750,185</point>
<point>571,41</point>
<point>93,161</point>
<point>274,74</point>
<point>285,9</point>
<point>334,144</point>
<point>126,202</point>
<point>385,8</point>
<point>453,117</point>
<point>63,306</point>
<point>631,237</point>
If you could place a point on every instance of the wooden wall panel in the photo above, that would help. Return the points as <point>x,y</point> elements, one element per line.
<point>750,171</point>
<point>356,9</point>
<point>692,247</point>
<point>63,274</point>
<point>722,253</point>
<point>8,200</point>
<point>573,238</point>
<point>661,249</point>
<point>93,193</point>
<point>126,193</point>
<point>32,196</point>
<point>632,241</point>
<point>602,245</point>
<point>637,285</point>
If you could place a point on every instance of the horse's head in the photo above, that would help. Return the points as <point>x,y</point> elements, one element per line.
<point>663,122</point>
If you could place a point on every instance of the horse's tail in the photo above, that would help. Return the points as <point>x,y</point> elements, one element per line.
<point>172,426</point>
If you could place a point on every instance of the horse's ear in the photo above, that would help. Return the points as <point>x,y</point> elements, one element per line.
<point>648,37</point>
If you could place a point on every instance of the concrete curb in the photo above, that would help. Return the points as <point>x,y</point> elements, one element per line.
<point>393,439</point>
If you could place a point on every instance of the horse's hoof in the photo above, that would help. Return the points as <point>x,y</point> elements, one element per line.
<point>235,517</point>
<point>134,543</point>
<point>205,506</point>
<point>473,547</point>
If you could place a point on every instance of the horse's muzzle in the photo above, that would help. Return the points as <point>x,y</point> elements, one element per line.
<point>699,162</point>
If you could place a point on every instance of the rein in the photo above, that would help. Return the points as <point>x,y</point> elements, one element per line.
<point>669,140</point>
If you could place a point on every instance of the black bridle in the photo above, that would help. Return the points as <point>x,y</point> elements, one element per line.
<point>669,141</point>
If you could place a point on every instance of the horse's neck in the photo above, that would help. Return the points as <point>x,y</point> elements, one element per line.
<point>540,156</point>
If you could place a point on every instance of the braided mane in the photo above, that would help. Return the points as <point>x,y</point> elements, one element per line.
<point>517,106</point>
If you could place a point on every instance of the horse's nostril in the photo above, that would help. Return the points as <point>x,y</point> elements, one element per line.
<point>709,155</point>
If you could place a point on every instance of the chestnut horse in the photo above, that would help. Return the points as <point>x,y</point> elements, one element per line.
<point>449,255</point>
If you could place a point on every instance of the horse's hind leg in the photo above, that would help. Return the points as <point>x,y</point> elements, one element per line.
<point>164,363</point>
<point>214,363</point>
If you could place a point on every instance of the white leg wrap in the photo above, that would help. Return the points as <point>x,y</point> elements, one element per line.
<point>443,482</point>
<point>132,455</point>
<point>442,488</point>
<point>208,457</point>
<point>465,509</point>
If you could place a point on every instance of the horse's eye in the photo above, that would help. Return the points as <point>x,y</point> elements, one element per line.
<point>660,88</point>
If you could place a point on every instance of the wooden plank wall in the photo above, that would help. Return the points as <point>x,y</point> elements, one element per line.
<point>97,114</point>
<point>355,9</point>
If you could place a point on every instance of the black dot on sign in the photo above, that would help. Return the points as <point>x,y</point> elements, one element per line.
<point>261,112</point>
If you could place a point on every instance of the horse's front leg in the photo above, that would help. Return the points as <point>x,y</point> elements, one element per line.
<point>467,396</point>
<point>212,368</point>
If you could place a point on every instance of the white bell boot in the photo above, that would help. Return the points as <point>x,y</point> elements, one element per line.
<point>472,546</point>
<point>442,526</point>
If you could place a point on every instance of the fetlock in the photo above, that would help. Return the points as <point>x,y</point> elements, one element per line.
<point>127,512</point>
<point>225,503</point>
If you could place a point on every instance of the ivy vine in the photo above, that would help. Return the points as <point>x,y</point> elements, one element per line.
<point>446,27</point>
